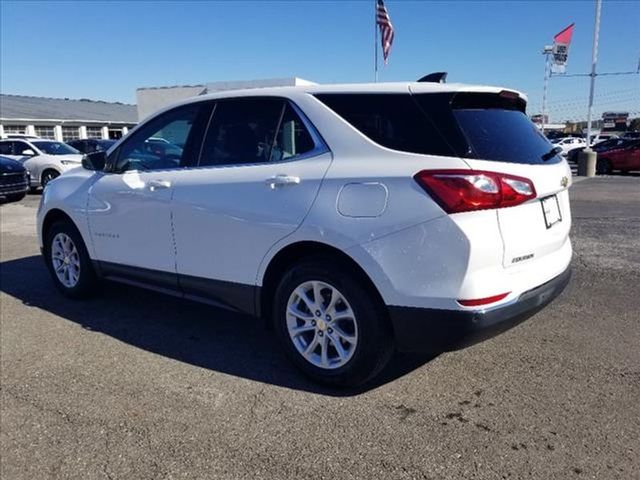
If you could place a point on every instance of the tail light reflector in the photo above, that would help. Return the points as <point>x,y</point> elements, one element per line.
<point>468,190</point>
<point>482,301</point>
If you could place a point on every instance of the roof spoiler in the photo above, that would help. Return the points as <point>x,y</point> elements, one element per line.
<point>436,77</point>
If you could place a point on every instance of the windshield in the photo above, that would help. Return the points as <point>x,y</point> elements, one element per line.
<point>55,148</point>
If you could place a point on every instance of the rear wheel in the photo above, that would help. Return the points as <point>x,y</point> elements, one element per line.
<point>68,261</point>
<point>331,326</point>
<point>47,176</point>
<point>603,166</point>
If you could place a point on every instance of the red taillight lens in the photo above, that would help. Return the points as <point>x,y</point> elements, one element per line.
<point>468,190</point>
<point>482,301</point>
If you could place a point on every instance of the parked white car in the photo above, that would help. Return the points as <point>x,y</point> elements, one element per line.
<point>569,143</point>
<point>356,219</point>
<point>601,137</point>
<point>45,159</point>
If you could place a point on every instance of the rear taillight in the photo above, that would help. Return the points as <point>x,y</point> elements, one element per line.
<point>468,190</point>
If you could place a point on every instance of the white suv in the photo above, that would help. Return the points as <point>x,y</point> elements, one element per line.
<point>45,159</point>
<point>356,219</point>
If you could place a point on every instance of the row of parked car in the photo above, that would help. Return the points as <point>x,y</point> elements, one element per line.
<point>620,153</point>
<point>29,163</point>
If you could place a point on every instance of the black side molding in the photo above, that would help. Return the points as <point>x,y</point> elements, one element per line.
<point>229,295</point>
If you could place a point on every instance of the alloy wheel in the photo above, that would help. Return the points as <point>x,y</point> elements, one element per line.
<point>65,260</point>
<point>322,324</point>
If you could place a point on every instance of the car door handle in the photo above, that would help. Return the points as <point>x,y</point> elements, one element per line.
<point>158,185</point>
<point>282,181</point>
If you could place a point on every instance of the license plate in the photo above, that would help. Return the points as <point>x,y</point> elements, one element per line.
<point>551,210</point>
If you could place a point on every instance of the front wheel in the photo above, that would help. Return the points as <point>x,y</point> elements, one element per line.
<point>68,261</point>
<point>47,176</point>
<point>330,324</point>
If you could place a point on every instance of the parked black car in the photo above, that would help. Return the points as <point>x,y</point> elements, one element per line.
<point>90,145</point>
<point>14,180</point>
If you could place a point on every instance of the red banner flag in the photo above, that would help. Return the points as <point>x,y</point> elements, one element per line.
<point>565,35</point>
<point>561,49</point>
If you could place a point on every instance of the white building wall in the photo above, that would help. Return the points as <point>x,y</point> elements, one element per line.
<point>151,100</point>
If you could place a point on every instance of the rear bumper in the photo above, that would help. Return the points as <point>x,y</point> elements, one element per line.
<point>434,330</point>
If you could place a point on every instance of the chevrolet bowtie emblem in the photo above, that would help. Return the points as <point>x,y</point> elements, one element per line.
<point>564,182</point>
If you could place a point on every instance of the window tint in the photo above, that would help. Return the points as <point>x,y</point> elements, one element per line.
<point>5,148</point>
<point>20,147</point>
<point>242,131</point>
<point>504,136</point>
<point>161,143</point>
<point>391,120</point>
<point>292,138</point>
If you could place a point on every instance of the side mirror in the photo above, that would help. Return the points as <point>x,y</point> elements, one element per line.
<point>94,161</point>
<point>29,152</point>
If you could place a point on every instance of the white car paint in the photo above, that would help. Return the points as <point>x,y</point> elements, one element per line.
<point>40,161</point>
<point>227,224</point>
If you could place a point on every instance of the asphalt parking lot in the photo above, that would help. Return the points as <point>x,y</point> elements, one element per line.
<point>136,385</point>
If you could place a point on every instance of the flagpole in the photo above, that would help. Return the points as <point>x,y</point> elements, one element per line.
<point>594,61</point>
<point>375,41</point>
<point>547,72</point>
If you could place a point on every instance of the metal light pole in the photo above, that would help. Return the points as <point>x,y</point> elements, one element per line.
<point>588,159</point>
<point>594,61</point>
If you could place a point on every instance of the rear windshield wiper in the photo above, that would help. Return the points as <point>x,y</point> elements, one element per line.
<point>551,153</point>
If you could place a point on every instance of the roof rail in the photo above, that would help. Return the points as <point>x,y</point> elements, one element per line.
<point>436,77</point>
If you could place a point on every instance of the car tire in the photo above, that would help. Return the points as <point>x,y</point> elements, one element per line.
<point>603,166</point>
<point>68,261</point>
<point>349,349</point>
<point>47,176</point>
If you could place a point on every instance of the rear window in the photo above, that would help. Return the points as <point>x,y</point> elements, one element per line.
<point>496,128</point>
<point>504,136</point>
<point>392,120</point>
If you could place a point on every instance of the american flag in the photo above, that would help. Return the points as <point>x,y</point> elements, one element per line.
<point>386,29</point>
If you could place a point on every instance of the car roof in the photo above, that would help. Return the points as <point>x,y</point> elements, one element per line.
<point>388,87</point>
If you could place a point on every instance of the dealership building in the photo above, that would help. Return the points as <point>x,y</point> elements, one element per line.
<point>152,99</point>
<point>63,119</point>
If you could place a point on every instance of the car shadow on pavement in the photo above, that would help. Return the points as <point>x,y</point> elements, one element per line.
<point>189,332</point>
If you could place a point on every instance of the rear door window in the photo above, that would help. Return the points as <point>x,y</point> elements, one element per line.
<point>292,139</point>
<point>241,131</point>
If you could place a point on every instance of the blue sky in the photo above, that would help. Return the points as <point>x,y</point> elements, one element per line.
<point>105,50</point>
